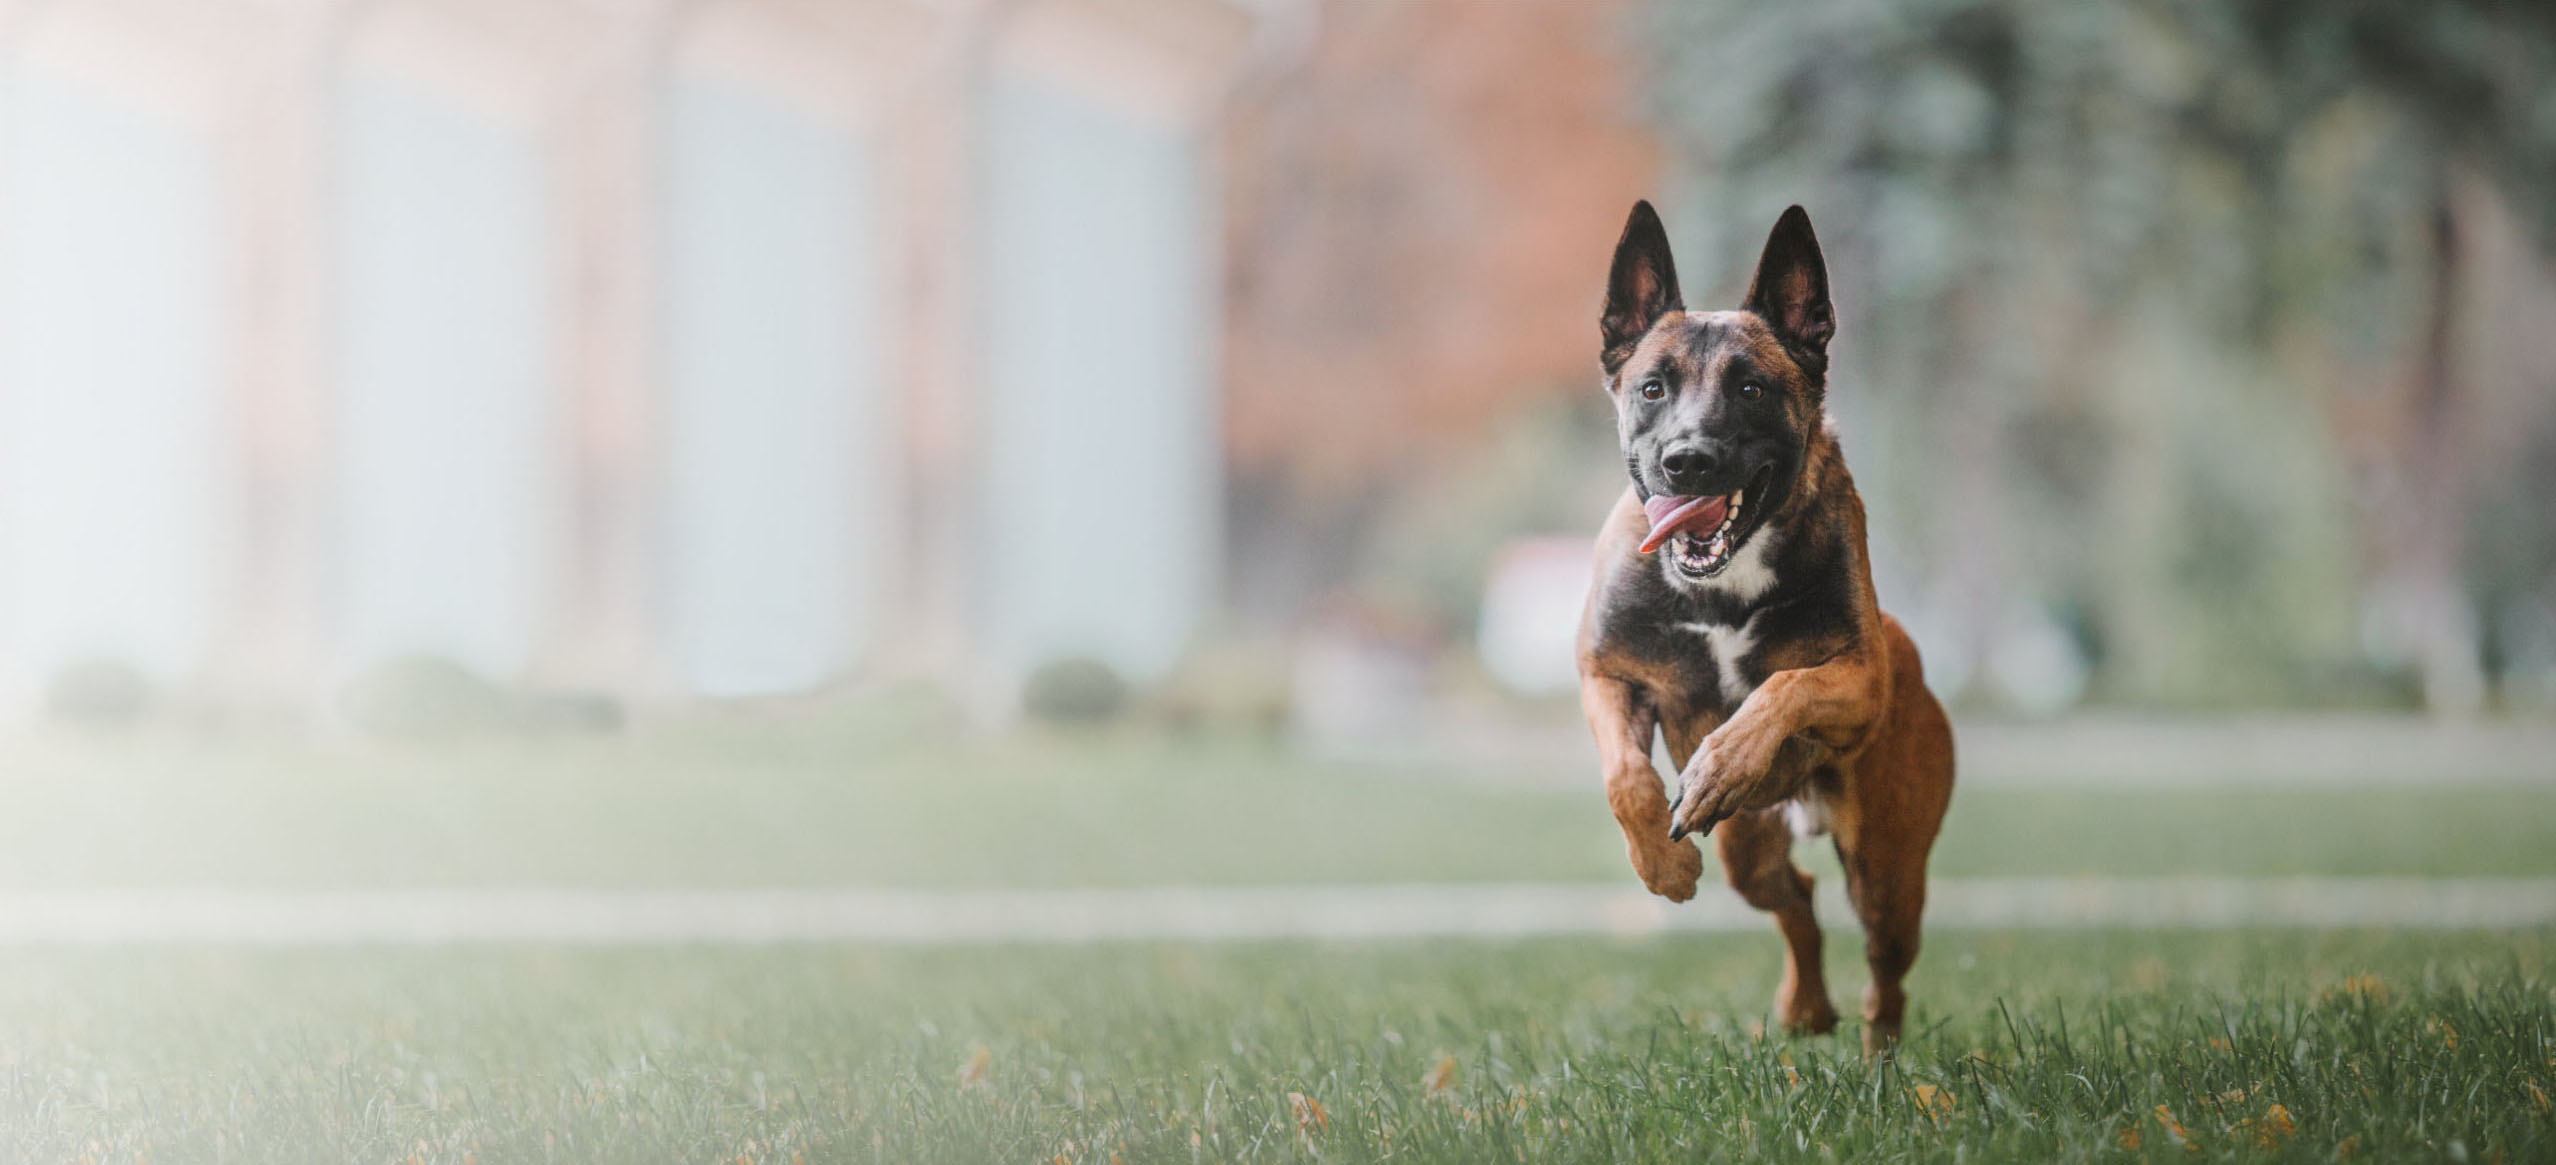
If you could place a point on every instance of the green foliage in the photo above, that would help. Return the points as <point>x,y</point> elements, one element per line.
<point>2106,274</point>
<point>2118,143</point>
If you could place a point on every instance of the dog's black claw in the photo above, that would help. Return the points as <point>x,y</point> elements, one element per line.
<point>1677,833</point>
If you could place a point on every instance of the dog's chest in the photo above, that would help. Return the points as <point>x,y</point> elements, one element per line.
<point>1728,650</point>
<point>1692,665</point>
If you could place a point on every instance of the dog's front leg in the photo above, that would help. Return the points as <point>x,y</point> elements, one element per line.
<point>1623,723</point>
<point>1785,728</point>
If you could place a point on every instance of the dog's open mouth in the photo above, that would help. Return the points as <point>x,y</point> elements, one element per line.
<point>1702,533</point>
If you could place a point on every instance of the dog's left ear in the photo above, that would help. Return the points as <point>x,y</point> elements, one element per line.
<point>1641,286</point>
<point>1791,291</point>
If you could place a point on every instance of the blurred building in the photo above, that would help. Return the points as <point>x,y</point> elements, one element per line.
<point>650,346</point>
<point>684,348</point>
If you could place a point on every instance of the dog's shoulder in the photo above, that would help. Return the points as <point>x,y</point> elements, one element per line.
<point>1630,605</point>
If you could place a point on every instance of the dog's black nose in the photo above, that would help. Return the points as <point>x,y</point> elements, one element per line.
<point>1686,466</point>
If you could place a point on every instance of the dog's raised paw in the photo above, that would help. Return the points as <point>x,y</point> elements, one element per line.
<point>1670,871</point>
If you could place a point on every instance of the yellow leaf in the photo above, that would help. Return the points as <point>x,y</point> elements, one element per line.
<point>1793,1079</point>
<point>2127,1138</point>
<point>2365,986</point>
<point>978,1071</point>
<point>1439,1078</point>
<point>2270,1129</point>
<point>1310,1118</point>
<point>2537,1096</point>
<point>2347,1147</point>
<point>1936,1103</point>
<point>2174,1129</point>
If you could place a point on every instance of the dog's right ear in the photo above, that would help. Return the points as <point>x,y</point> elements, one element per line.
<point>1640,288</point>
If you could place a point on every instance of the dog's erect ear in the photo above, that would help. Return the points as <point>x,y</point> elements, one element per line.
<point>1640,289</point>
<point>1791,291</point>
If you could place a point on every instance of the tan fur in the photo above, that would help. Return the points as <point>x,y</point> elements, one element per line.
<point>1842,719</point>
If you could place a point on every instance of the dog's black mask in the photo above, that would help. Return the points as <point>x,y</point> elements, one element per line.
<point>1715,410</point>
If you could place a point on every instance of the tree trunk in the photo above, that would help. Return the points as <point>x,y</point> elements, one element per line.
<point>2428,547</point>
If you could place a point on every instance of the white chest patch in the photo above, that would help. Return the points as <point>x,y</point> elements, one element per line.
<point>1730,645</point>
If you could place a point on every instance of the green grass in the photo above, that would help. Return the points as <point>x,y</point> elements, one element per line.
<point>901,796</point>
<point>2045,1046</point>
<point>2036,1047</point>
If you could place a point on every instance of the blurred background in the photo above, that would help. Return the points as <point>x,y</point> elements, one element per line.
<point>693,476</point>
<point>565,361</point>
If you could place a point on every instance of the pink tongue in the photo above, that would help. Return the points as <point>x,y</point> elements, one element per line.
<point>1673,515</point>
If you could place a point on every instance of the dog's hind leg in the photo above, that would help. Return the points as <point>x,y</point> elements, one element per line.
<point>1757,856</point>
<point>1886,825</point>
<point>1887,884</point>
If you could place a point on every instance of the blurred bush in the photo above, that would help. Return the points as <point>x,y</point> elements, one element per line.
<point>1075,690</point>
<point>1226,683</point>
<point>422,697</point>
<point>98,694</point>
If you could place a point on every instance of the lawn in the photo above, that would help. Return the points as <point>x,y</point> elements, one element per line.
<point>885,795</point>
<point>2022,1047</point>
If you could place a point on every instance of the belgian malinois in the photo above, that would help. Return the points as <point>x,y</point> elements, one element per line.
<point>1733,612</point>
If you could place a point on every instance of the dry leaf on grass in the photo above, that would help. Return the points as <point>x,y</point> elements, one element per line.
<point>2364,986</point>
<point>2270,1129</point>
<point>1439,1078</point>
<point>1310,1118</point>
<point>2174,1129</point>
<point>978,1071</point>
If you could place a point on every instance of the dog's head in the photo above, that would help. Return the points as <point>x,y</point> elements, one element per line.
<point>1715,409</point>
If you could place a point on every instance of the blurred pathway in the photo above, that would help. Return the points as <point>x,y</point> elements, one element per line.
<point>2092,751</point>
<point>426,917</point>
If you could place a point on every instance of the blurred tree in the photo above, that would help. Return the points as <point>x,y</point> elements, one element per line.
<point>2124,266</point>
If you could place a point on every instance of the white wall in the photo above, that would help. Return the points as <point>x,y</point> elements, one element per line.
<point>113,418</point>
<point>448,455</point>
<point>779,449</point>
<point>1098,449</point>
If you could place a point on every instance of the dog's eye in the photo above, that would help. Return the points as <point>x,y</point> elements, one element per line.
<point>1653,390</point>
<point>1751,392</point>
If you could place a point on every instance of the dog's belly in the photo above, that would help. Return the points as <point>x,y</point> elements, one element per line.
<point>1807,814</point>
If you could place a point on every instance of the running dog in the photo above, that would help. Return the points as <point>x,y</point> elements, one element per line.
<point>1733,612</point>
